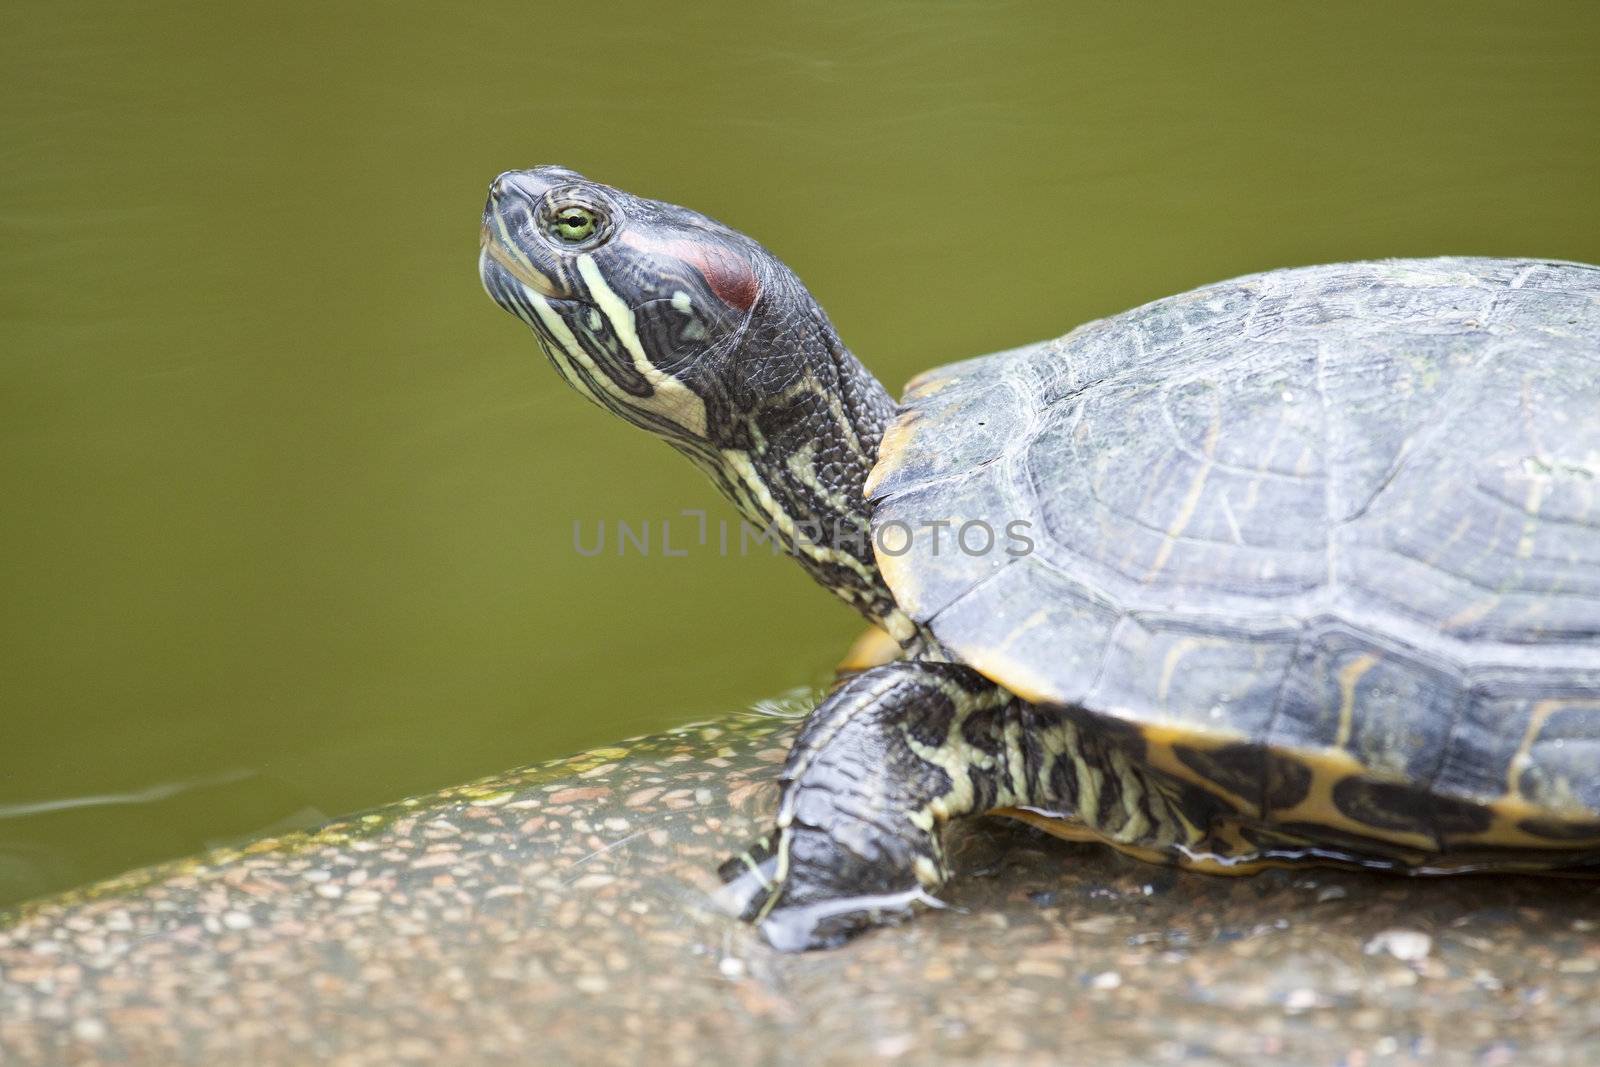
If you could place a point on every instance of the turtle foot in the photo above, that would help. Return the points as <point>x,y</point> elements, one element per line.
<point>815,901</point>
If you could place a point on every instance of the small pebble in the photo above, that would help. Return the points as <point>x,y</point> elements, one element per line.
<point>89,1030</point>
<point>893,1046</point>
<point>1402,944</point>
<point>1300,999</point>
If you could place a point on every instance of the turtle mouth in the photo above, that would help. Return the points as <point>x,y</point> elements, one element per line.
<point>497,245</point>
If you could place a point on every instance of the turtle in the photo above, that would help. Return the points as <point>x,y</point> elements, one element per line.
<point>1301,567</point>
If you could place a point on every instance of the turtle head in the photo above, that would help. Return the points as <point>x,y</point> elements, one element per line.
<point>644,307</point>
<point>695,332</point>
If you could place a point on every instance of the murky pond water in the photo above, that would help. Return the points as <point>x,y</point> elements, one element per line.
<point>289,505</point>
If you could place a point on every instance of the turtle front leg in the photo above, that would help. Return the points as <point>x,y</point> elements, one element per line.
<point>890,756</point>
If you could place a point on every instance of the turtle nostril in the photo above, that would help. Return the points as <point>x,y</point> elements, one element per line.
<point>509,201</point>
<point>507,185</point>
<point>530,184</point>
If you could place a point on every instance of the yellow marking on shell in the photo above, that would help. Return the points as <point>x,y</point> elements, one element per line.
<point>1505,846</point>
<point>1225,867</point>
<point>1175,655</point>
<point>892,450</point>
<point>900,576</point>
<point>1329,767</point>
<point>1161,741</point>
<point>1001,665</point>
<point>671,398</point>
<point>1232,520</point>
<point>1349,678</point>
<point>1227,853</point>
<point>929,382</point>
<point>1227,839</point>
<point>1520,759</point>
<point>1191,499</point>
<point>1252,494</point>
<point>873,648</point>
<point>1514,807</point>
<point>1470,614</point>
<point>1537,487</point>
<point>1438,552</point>
<point>1504,830</point>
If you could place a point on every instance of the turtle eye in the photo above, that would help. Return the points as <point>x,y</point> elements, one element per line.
<point>573,223</point>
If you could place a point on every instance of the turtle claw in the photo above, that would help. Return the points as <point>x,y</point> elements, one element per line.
<point>804,908</point>
<point>830,923</point>
<point>817,924</point>
<point>749,881</point>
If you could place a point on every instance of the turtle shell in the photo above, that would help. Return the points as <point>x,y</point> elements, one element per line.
<point>1328,539</point>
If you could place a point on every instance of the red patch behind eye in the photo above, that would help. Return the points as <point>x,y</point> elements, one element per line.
<point>727,274</point>
<point>731,278</point>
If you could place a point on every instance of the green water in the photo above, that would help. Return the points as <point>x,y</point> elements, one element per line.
<point>288,503</point>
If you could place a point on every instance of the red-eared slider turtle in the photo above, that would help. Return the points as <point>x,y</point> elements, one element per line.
<point>1300,566</point>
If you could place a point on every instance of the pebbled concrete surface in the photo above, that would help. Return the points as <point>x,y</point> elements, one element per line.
<point>560,915</point>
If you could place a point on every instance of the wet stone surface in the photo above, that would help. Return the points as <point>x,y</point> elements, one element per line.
<point>560,915</point>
